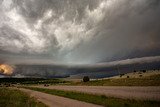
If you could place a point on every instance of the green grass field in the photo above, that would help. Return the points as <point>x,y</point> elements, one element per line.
<point>31,81</point>
<point>153,80</point>
<point>98,99</point>
<point>16,98</point>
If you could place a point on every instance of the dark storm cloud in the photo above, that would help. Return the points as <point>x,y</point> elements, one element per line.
<point>128,28</point>
<point>93,70</point>
<point>78,31</point>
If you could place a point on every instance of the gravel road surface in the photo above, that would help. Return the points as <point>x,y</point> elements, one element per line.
<point>141,93</point>
<point>56,101</point>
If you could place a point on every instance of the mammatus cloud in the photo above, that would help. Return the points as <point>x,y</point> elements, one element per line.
<point>78,31</point>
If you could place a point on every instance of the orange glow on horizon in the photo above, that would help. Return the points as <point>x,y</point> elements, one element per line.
<point>6,69</point>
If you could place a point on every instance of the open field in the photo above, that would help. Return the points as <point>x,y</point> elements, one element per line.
<point>99,99</point>
<point>16,98</point>
<point>131,90</point>
<point>152,80</point>
<point>148,78</point>
<point>31,81</point>
<point>125,92</point>
<point>138,74</point>
<point>143,89</point>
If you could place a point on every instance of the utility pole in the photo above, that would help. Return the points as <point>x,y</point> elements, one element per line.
<point>118,70</point>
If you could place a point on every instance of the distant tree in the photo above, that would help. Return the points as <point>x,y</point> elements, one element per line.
<point>121,75</point>
<point>143,71</point>
<point>85,79</point>
<point>134,71</point>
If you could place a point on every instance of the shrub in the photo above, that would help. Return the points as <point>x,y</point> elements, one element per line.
<point>121,75</point>
<point>85,79</point>
<point>143,71</point>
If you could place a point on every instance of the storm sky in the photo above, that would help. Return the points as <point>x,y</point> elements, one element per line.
<point>78,31</point>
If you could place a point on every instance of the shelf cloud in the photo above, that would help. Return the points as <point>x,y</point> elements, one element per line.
<point>78,31</point>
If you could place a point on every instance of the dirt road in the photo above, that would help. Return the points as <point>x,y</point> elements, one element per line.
<point>56,101</point>
<point>141,93</point>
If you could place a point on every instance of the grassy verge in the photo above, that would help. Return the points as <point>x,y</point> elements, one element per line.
<point>98,99</point>
<point>144,81</point>
<point>32,81</point>
<point>16,98</point>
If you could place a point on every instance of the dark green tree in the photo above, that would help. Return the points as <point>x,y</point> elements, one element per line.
<point>85,79</point>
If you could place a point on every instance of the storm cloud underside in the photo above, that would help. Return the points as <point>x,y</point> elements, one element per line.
<point>78,31</point>
<point>69,33</point>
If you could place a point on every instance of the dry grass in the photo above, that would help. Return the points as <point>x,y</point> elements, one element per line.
<point>16,98</point>
<point>98,99</point>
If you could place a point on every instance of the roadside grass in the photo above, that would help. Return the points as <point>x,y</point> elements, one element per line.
<point>153,80</point>
<point>47,81</point>
<point>32,81</point>
<point>16,98</point>
<point>98,99</point>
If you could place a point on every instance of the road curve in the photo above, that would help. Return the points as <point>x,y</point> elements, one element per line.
<point>56,101</point>
<point>140,93</point>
